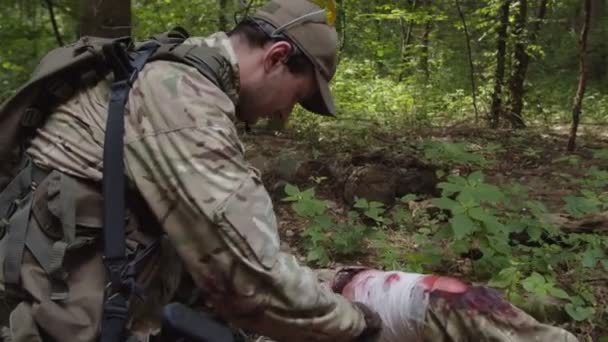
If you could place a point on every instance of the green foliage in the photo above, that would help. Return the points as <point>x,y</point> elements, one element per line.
<point>372,210</point>
<point>540,286</point>
<point>452,153</point>
<point>480,216</point>
<point>325,238</point>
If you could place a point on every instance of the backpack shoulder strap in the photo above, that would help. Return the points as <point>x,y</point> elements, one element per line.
<point>121,271</point>
<point>126,68</point>
<point>206,60</point>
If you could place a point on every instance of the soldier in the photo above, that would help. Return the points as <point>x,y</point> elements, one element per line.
<point>188,183</point>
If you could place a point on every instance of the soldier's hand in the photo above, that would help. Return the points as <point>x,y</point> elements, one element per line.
<point>373,324</point>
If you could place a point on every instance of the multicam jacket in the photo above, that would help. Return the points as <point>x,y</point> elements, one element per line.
<point>184,157</point>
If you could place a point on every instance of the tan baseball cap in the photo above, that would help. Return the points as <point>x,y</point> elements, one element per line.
<point>303,22</point>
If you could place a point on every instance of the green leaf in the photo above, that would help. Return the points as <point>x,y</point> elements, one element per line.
<point>462,226</point>
<point>408,198</point>
<point>479,214</point>
<point>444,203</point>
<point>309,193</point>
<point>499,244</point>
<point>457,180</point>
<point>591,256</point>
<point>375,205</point>
<point>534,232</point>
<point>537,208</point>
<point>467,198</point>
<point>450,188</point>
<point>579,313</point>
<point>534,284</point>
<point>324,221</point>
<point>559,293</point>
<point>579,206</point>
<point>489,193</point>
<point>291,190</point>
<point>361,203</point>
<point>319,255</point>
<point>475,177</point>
<point>459,246</point>
<point>505,278</point>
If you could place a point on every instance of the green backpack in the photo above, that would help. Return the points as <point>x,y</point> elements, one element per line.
<point>55,80</point>
<point>63,70</point>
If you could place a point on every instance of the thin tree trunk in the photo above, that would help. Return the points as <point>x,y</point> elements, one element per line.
<point>410,29</point>
<point>582,82</point>
<point>105,18</point>
<point>424,52</point>
<point>341,8</point>
<point>221,19</point>
<point>501,47</point>
<point>407,39</point>
<point>470,54</point>
<point>54,22</point>
<point>516,82</point>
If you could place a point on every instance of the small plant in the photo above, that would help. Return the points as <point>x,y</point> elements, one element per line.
<point>452,153</point>
<point>325,239</point>
<point>532,153</point>
<point>372,210</point>
<point>570,159</point>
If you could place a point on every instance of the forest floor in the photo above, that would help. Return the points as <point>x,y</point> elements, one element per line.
<point>534,161</point>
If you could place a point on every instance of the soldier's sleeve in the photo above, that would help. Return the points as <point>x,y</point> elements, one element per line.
<point>183,155</point>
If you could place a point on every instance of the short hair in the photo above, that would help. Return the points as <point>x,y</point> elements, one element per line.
<point>256,37</point>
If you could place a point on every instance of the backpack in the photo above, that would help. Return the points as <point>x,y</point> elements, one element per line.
<point>65,69</point>
<point>55,80</point>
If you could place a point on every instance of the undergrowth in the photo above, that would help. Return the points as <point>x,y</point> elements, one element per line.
<point>508,238</point>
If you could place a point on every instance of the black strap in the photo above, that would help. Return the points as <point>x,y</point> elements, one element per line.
<point>121,271</point>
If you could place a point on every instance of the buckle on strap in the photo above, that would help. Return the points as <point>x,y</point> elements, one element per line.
<point>116,307</point>
<point>122,279</point>
<point>122,272</point>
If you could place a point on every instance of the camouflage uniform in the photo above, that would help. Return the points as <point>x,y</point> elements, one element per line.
<point>183,156</point>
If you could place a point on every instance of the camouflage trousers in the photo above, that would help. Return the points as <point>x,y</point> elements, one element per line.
<point>479,314</point>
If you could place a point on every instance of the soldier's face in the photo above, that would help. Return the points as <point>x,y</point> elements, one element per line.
<point>276,89</point>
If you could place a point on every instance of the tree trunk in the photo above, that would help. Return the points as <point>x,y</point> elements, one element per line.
<point>222,22</point>
<point>517,75</point>
<point>105,18</point>
<point>410,28</point>
<point>49,5</point>
<point>470,54</point>
<point>522,60</point>
<point>501,48</point>
<point>341,9</point>
<point>424,51</point>
<point>582,82</point>
<point>598,59</point>
<point>406,39</point>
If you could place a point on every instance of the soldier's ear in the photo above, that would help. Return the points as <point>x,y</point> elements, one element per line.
<point>276,55</point>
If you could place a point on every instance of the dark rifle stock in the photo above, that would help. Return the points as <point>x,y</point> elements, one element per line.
<point>181,323</point>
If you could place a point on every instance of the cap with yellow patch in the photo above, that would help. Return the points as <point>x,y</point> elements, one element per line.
<point>307,26</point>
